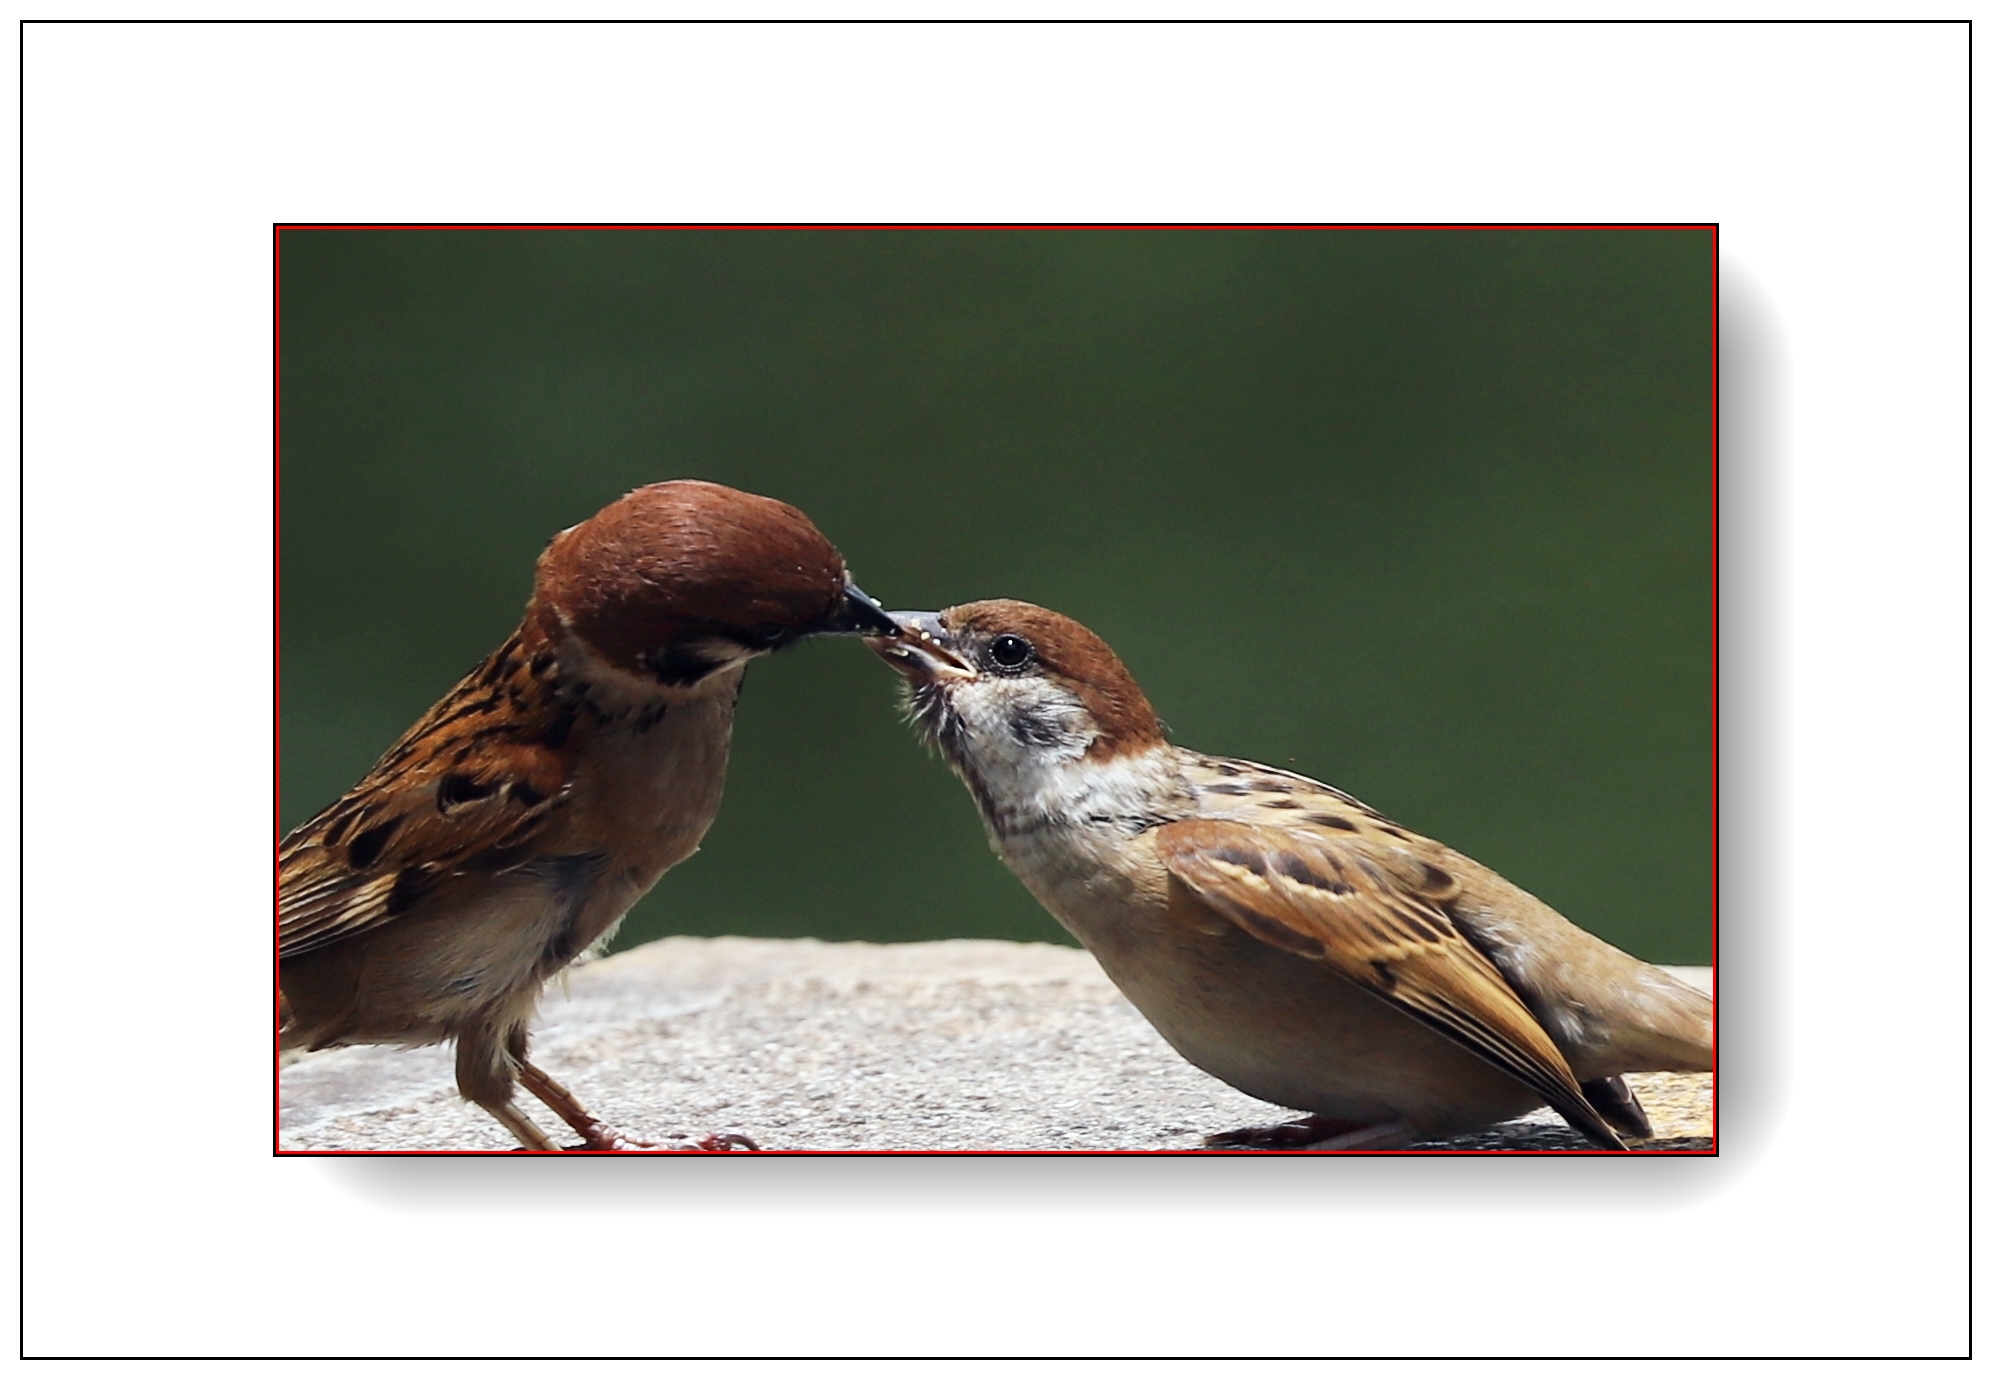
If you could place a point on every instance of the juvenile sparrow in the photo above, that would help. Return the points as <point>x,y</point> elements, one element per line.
<point>514,825</point>
<point>1280,934</point>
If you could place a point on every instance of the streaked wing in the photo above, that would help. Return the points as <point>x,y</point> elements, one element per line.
<point>1335,902</point>
<point>465,790</point>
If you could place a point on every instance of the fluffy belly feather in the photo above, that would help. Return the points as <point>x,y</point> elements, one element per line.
<point>1274,1025</point>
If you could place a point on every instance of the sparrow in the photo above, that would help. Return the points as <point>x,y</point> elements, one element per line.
<point>1280,934</point>
<point>509,831</point>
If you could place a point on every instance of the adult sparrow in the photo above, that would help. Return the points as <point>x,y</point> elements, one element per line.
<point>1279,933</point>
<point>512,827</point>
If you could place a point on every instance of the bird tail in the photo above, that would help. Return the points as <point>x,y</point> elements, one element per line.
<point>1667,1026</point>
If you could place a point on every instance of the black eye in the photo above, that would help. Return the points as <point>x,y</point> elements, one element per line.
<point>766,634</point>
<point>1008,652</point>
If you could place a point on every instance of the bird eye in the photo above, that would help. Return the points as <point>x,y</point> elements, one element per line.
<point>766,634</point>
<point>1008,652</point>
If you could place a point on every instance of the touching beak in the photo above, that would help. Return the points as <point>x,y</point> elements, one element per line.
<point>861,613</point>
<point>922,649</point>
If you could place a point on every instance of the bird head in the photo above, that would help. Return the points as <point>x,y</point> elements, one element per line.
<point>1004,687</point>
<point>676,581</point>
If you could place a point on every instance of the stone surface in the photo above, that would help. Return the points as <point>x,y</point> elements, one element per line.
<point>802,1045</point>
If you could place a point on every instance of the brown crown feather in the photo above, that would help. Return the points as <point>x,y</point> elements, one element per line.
<point>684,558</point>
<point>1076,656</point>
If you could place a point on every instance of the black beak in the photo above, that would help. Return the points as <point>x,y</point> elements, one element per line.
<point>860,613</point>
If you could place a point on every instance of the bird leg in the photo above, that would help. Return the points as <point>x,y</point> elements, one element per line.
<point>1615,1102</point>
<point>1315,1133</point>
<point>599,1135</point>
<point>483,1074</point>
<point>595,1134</point>
<point>521,1125</point>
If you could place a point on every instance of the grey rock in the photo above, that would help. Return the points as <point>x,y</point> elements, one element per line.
<point>961,1044</point>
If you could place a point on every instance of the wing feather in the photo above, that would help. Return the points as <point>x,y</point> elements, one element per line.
<point>464,790</point>
<point>1332,901</point>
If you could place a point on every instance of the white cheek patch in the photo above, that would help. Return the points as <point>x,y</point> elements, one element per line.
<point>1026,724</point>
<point>1021,745</point>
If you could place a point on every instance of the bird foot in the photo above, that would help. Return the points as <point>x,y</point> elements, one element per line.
<point>1289,1135</point>
<point>1616,1103</point>
<point>1314,1133</point>
<point>724,1141</point>
<point>599,1136</point>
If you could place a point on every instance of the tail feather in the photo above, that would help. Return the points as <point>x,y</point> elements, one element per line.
<point>1666,1026</point>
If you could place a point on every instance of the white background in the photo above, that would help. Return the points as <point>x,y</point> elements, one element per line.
<point>156,1220</point>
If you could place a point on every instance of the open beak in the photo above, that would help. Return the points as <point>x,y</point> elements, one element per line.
<point>921,648</point>
<point>861,613</point>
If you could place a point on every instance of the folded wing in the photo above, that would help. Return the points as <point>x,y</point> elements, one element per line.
<point>463,792</point>
<point>1368,921</point>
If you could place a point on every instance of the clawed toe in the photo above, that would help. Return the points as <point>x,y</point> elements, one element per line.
<point>1314,1133</point>
<point>603,1138</point>
<point>599,1136</point>
<point>1283,1136</point>
<point>607,1138</point>
<point>725,1141</point>
<point>1286,1136</point>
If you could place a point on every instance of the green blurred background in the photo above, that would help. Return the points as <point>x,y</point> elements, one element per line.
<point>1424,514</point>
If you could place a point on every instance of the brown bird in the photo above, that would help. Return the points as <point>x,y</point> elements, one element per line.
<point>1280,934</point>
<point>511,828</point>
